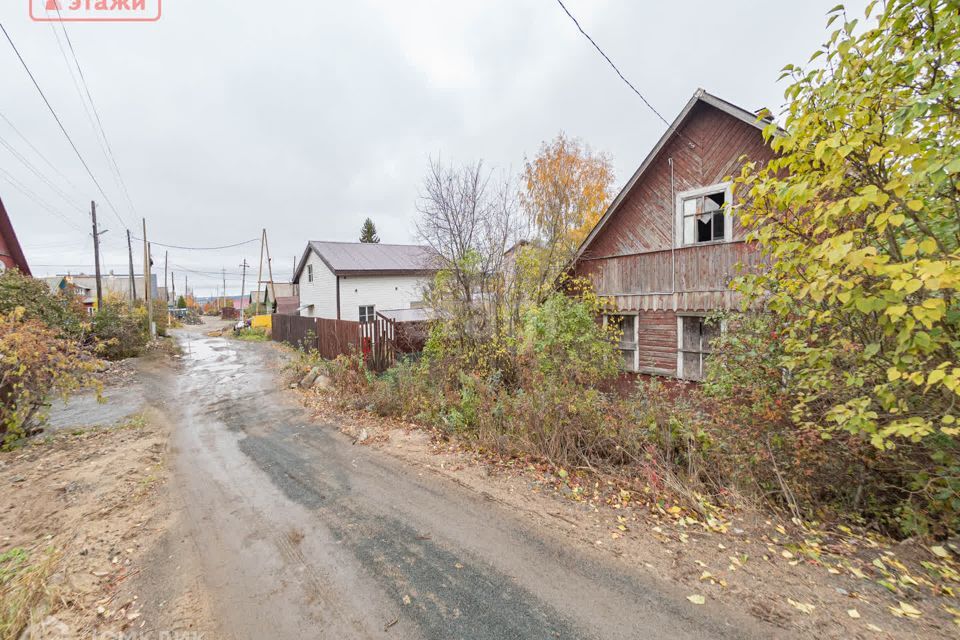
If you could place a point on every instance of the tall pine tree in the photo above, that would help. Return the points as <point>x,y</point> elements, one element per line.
<point>368,233</point>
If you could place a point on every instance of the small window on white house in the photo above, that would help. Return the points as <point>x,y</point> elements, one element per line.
<point>695,335</point>
<point>309,273</point>
<point>628,339</point>
<point>704,215</point>
<point>366,313</point>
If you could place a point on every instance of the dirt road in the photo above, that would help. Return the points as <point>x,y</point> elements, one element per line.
<point>296,533</point>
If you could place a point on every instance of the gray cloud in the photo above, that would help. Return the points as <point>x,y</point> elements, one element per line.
<point>304,118</point>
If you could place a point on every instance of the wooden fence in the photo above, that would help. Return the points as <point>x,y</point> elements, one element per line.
<point>379,341</point>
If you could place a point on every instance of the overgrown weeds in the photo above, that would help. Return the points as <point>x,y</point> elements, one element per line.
<point>25,594</point>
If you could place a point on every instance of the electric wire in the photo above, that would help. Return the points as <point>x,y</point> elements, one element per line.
<point>619,73</point>
<point>111,157</point>
<point>62,128</point>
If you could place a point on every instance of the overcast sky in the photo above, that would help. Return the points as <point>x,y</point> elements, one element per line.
<point>228,116</point>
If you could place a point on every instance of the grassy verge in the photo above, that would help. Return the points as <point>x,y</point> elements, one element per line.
<point>25,593</point>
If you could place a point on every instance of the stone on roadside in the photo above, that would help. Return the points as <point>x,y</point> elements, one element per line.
<point>308,379</point>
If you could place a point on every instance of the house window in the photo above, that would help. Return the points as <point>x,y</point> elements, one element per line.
<point>694,337</point>
<point>309,273</point>
<point>628,339</point>
<point>366,313</point>
<point>704,215</point>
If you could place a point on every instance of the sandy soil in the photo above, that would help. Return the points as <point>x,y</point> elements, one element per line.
<point>92,495</point>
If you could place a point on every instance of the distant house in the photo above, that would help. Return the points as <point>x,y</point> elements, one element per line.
<point>279,297</point>
<point>66,286</point>
<point>117,286</point>
<point>11,254</point>
<point>354,280</point>
<point>667,247</point>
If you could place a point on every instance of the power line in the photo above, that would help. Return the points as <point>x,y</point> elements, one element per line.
<point>19,186</point>
<point>83,80</point>
<point>226,246</point>
<point>614,67</point>
<point>29,165</point>
<point>62,128</point>
<point>38,152</point>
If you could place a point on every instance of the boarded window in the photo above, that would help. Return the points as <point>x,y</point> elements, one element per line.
<point>704,217</point>
<point>696,336</point>
<point>366,313</point>
<point>628,339</point>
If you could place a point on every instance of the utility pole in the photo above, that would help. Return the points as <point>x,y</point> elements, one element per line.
<point>243,281</point>
<point>260,300</point>
<point>96,254</point>
<point>166,286</point>
<point>133,282</point>
<point>147,294</point>
<point>223,292</point>
<point>173,287</point>
<point>266,244</point>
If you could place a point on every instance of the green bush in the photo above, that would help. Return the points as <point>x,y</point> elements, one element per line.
<point>34,362</point>
<point>59,311</point>
<point>567,342</point>
<point>119,332</point>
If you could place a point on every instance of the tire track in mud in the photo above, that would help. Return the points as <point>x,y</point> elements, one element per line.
<point>448,596</point>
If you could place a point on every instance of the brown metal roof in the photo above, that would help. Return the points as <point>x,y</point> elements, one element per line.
<point>360,258</point>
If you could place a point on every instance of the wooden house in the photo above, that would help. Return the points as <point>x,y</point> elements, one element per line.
<point>667,247</point>
<point>11,254</point>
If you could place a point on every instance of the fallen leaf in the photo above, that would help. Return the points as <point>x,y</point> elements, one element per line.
<point>940,552</point>
<point>802,606</point>
<point>853,613</point>
<point>696,599</point>
<point>905,610</point>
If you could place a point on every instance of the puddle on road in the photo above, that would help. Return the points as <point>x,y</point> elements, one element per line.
<point>85,410</point>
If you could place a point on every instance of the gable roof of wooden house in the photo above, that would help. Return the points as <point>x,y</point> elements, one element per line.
<point>370,259</point>
<point>699,97</point>
<point>11,253</point>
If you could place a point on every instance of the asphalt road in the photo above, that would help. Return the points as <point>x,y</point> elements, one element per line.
<point>301,534</point>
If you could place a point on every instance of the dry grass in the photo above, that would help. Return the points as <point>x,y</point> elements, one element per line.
<point>25,592</point>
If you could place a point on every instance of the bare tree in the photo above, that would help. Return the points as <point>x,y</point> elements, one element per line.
<point>469,217</point>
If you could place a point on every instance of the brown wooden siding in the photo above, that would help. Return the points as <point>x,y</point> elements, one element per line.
<point>698,269</point>
<point>630,260</point>
<point>657,342</point>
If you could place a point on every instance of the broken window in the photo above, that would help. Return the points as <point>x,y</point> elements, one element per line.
<point>696,336</point>
<point>366,313</point>
<point>704,217</point>
<point>628,339</point>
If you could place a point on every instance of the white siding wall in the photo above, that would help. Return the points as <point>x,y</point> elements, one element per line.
<point>383,292</point>
<point>321,293</point>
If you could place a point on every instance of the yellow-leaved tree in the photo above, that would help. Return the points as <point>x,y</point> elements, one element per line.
<point>859,215</point>
<point>566,189</point>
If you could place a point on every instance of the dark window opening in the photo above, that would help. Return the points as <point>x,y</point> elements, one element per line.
<point>628,339</point>
<point>697,335</point>
<point>366,313</point>
<point>704,218</point>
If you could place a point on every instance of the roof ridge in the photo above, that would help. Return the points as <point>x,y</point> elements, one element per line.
<point>381,244</point>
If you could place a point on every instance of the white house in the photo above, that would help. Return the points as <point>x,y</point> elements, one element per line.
<point>354,280</point>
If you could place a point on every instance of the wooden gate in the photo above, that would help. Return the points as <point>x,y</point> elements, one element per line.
<point>377,339</point>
